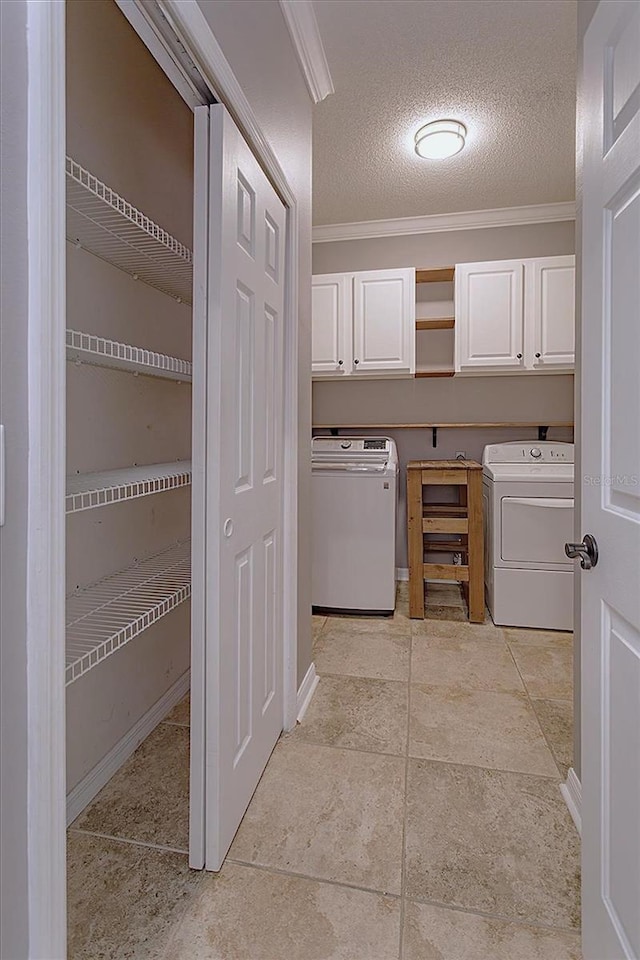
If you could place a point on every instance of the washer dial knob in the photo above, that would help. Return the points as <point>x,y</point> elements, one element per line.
<point>536,453</point>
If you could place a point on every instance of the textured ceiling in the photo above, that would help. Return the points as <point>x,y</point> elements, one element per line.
<point>506,68</point>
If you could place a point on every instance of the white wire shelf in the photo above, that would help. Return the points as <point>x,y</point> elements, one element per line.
<point>99,352</point>
<point>85,491</point>
<point>104,617</point>
<point>104,223</point>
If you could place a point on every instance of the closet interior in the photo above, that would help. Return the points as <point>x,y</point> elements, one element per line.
<point>129,181</point>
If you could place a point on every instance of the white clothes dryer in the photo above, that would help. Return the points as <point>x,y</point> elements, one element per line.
<point>528,512</point>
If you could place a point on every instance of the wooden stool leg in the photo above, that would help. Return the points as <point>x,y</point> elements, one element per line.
<point>416,551</point>
<point>476,547</point>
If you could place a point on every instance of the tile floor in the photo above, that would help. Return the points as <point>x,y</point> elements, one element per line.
<point>414,813</point>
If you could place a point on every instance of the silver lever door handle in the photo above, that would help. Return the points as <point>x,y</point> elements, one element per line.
<point>587,551</point>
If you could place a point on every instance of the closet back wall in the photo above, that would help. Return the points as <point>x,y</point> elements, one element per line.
<point>489,399</point>
<point>127,125</point>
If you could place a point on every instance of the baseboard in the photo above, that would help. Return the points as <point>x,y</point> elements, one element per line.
<point>402,573</point>
<point>306,690</point>
<point>84,792</point>
<point>571,790</point>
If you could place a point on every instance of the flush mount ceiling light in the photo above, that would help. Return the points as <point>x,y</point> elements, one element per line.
<point>440,139</point>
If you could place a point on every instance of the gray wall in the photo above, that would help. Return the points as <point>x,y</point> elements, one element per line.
<point>255,40</point>
<point>538,399</point>
<point>13,405</point>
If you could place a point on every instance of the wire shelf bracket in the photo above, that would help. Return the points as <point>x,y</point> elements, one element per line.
<point>109,614</point>
<point>105,224</point>
<point>86,491</point>
<point>100,352</point>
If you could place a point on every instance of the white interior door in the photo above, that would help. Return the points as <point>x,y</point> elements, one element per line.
<point>384,325</point>
<point>552,319</point>
<point>610,620</point>
<point>331,325</point>
<point>489,315</point>
<point>243,637</point>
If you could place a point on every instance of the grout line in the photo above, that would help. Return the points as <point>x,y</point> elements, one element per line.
<point>297,735</point>
<point>535,713</point>
<point>306,876</point>
<point>475,766</point>
<point>403,852</point>
<point>131,843</point>
<point>175,723</point>
<point>503,918</point>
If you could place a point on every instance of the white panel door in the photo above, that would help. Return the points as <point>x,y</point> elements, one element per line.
<point>331,327</point>
<point>384,321</point>
<point>550,313</point>
<point>489,316</point>
<point>610,614</point>
<point>245,418</point>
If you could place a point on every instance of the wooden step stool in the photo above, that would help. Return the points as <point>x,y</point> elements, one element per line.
<point>462,519</point>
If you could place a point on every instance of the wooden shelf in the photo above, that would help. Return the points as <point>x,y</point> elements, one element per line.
<point>434,373</point>
<point>437,323</point>
<point>525,424</point>
<point>443,509</point>
<point>438,275</point>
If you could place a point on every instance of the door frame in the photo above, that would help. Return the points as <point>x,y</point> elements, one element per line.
<point>45,640</point>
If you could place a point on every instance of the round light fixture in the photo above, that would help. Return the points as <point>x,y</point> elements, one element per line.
<point>440,139</point>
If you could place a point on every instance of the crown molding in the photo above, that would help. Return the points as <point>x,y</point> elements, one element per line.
<point>303,27</point>
<point>444,222</point>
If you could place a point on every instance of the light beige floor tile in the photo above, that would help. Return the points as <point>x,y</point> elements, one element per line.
<point>547,671</point>
<point>358,713</point>
<point>181,713</point>
<point>480,727</point>
<point>435,933</point>
<point>439,611</point>
<point>148,798</point>
<point>397,625</point>
<point>443,595</point>
<point>317,623</point>
<point>500,843</point>
<point>464,662</point>
<point>538,638</point>
<point>556,720</point>
<point>249,914</point>
<point>382,656</point>
<point>123,899</point>
<point>327,813</point>
<point>462,630</point>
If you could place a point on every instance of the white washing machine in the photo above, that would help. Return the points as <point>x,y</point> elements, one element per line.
<point>528,507</point>
<point>354,491</point>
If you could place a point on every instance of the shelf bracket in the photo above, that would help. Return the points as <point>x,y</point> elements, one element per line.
<point>434,437</point>
<point>334,432</point>
<point>542,433</point>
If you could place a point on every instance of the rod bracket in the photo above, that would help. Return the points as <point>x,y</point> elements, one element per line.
<point>542,433</point>
<point>434,437</point>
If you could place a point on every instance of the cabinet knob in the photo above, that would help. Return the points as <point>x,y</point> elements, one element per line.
<point>356,362</point>
<point>340,362</point>
<point>519,356</point>
<point>538,355</point>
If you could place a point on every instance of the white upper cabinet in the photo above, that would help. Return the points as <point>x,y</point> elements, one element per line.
<point>552,322</point>
<point>515,315</point>
<point>384,327</point>
<point>331,306</point>
<point>363,324</point>
<point>489,332</point>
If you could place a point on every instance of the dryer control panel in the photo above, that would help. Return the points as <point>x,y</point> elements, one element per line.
<point>528,451</point>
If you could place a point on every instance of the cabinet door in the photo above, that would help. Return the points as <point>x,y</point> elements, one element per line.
<point>550,313</point>
<point>384,322</point>
<point>489,316</point>
<point>331,325</point>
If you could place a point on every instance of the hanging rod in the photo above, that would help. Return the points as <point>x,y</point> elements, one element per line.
<point>448,426</point>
